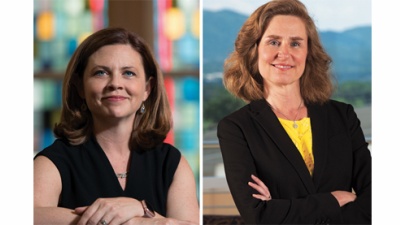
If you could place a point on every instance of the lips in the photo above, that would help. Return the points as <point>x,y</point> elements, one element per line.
<point>114,98</point>
<point>280,66</point>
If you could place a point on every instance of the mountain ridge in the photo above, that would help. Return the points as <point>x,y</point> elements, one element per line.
<point>350,49</point>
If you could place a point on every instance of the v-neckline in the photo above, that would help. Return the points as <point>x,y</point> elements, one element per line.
<point>110,170</point>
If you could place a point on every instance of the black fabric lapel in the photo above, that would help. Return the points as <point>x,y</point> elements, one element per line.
<point>264,115</point>
<point>319,116</point>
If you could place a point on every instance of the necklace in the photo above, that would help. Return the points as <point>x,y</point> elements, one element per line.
<point>122,175</point>
<point>295,126</point>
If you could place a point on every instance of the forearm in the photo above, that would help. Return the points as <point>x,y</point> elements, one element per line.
<point>311,209</point>
<point>244,156</point>
<point>358,211</point>
<point>54,215</point>
<point>158,219</point>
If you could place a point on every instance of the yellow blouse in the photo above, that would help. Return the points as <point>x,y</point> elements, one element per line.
<point>302,139</point>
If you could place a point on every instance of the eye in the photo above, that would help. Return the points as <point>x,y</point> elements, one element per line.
<point>274,42</point>
<point>295,44</point>
<point>129,73</point>
<point>100,73</point>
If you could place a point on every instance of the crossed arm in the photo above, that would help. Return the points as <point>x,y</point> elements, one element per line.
<point>343,197</point>
<point>182,206</point>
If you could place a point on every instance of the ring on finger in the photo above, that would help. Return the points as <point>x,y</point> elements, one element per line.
<point>103,222</point>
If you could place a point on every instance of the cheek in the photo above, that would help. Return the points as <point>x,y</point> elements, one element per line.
<point>301,62</point>
<point>261,55</point>
<point>264,60</point>
<point>91,91</point>
<point>136,93</point>
<point>265,56</point>
<point>302,56</point>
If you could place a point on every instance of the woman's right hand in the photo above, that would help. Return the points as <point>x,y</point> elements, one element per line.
<point>115,210</point>
<point>344,197</point>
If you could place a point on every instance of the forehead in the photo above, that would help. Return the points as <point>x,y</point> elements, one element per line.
<point>286,25</point>
<point>116,53</point>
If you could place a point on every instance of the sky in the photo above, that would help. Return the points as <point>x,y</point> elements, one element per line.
<point>335,15</point>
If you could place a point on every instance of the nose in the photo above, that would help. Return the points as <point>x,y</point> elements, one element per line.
<point>283,51</point>
<point>114,82</point>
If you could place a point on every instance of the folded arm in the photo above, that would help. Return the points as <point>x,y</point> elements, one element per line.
<point>182,207</point>
<point>47,189</point>
<point>240,163</point>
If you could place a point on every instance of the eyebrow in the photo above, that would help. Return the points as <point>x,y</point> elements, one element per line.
<point>296,38</point>
<point>108,68</point>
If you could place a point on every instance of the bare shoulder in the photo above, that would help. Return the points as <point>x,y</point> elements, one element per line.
<point>43,165</point>
<point>182,202</point>
<point>184,169</point>
<point>47,182</point>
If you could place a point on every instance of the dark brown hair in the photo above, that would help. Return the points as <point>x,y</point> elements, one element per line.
<point>241,75</point>
<point>76,123</point>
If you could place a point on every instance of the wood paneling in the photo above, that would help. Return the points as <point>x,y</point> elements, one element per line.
<point>134,15</point>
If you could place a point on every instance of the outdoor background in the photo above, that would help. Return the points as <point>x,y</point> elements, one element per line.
<point>345,31</point>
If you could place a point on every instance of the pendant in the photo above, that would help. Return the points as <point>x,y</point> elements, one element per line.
<point>295,125</point>
<point>122,175</point>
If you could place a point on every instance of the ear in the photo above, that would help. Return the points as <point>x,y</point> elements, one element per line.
<point>149,86</point>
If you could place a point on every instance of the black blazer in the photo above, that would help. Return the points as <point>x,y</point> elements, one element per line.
<point>253,141</point>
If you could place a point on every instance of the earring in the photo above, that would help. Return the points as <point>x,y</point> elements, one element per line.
<point>142,109</point>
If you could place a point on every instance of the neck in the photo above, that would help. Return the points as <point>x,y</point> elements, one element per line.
<point>285,103</point>
<point>112,132</point>
<point>288,95</point>
<point>119,125</point>
<point>287,108</point>
<point>114,140</point>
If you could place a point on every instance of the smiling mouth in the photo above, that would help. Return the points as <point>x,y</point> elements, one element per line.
<point>282,66</point>
<point>114,98</point>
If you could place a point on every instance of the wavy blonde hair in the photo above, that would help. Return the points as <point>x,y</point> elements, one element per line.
<point>76,123</point>
<point>241,75</point>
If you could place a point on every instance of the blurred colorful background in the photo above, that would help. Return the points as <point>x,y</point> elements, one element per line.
<point>171,28</point>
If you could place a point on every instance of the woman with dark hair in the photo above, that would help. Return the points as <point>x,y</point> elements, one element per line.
<point>109,164</point>
<point>291,155</point>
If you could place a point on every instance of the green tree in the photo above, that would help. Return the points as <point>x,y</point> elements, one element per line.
<point>217,106</point>
<point>357,93</point>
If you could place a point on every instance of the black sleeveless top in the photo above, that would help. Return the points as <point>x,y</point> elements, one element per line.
<point>87,174</point>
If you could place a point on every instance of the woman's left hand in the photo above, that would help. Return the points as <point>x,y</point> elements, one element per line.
<point>110,211</point>
<point>261,188</point>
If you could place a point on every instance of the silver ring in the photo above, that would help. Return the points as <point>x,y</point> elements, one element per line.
<point>103,222</point>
